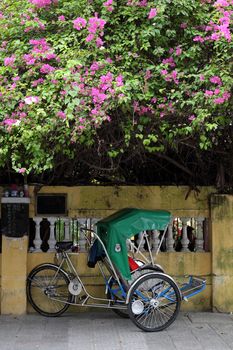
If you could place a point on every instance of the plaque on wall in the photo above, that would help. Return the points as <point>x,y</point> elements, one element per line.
<point>14,219</point>
<point>51,204</point>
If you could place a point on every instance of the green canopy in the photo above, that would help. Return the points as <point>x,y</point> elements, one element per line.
<point>116,228</point>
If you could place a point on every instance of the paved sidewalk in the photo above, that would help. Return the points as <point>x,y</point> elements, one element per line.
<point>107,331</point>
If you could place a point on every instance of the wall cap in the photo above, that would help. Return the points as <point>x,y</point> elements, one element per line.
<point>15,200</point>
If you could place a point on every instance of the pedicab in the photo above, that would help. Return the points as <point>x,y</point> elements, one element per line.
<point>138,289</point>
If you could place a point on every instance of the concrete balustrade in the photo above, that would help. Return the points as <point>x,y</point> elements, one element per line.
<point>67,229</point>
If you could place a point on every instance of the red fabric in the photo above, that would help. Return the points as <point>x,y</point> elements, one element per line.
<point>132,264</point>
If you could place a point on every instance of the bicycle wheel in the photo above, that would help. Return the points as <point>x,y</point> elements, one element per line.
<point>47,290</point>
<point>154,302</point>
<point>117,298</point>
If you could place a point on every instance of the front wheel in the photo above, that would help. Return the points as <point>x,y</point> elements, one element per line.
<point>47,290</point>
<point>154,302</point>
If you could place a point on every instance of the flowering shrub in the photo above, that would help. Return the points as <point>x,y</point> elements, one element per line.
<point>70,68</point>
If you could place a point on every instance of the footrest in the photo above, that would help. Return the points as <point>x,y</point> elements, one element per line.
<point>194,286</point>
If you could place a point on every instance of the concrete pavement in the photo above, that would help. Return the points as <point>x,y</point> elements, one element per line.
<point>105,330</point>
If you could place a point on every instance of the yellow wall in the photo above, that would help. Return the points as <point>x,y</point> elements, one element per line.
<point>13,272</point>
<point>99,201</point>
<point>222,247</point>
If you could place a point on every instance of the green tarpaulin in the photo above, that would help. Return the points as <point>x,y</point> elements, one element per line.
<point>116,228</point>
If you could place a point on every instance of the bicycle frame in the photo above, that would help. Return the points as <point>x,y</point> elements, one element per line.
<point>69,269</point>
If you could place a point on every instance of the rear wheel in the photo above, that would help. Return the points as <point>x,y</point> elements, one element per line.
<point>154,302</point>
<point>47,290</point>
<point>117,298</point>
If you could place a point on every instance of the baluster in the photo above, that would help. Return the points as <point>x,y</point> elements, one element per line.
<point>199,235</point>
<point>59,230</point>
<point>185,240</point>
<point>67,230</point>
<point>52,240</point>
<point>155,240</point>
<point>82,238</point>
<point>93,222</point>
<point>141,241</point>
<point>170,238</point>
<point>93,226</point>
<point>73,231</point>
<point>37,240</point>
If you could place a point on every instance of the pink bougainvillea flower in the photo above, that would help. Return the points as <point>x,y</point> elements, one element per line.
<point>46,69</point>
<point>22,115</point>
<point>22,170</point>
<point>90,37</point>
<point>164,72</point>
<point>119,80</point>
<point>41,3</point>
<point>215,36</point>
<point>106,78</point>
<point>108,5</point>
<point>37,82</point>
<point>29,59</point>
<point>148,74</point>
<point>54,81</point>
<point>191,117</point>
<point>208,93</point>
<point>199,38</point>
<point>9,121</point>
<point>98,96</point>
<point>16,78</point>
<point>61,18</point>
<point>109,60</point>
<point>142,3</point>
<point>219,100</point>
<point>79,23</point>
<point>99,42</point>
<point>9,61</point>
<point>31,99</point>
<point>178,51</point>
<point>152,13</point>
<point>226,95</point>
<point>202,77</point>
<point>183,25</point>
<point>13,86</point>
<point>61,114</point>
<point>169,61</point>
<point>50,56</point>
<point>94,24</point>
<point>221,3</point>
<point>153,100</point>
<point>216,80</point>
<point>95,66</point>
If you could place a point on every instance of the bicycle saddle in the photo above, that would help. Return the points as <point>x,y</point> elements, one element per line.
<point>63,246</point>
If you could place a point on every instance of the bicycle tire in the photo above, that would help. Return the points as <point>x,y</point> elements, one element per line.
<point>45,283</point>
<point>154,302</point>
<point>143,270</point>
